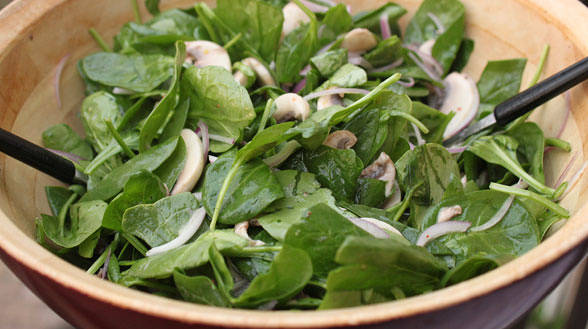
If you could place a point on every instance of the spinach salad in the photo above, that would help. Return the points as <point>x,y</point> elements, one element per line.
<point>289,155</point>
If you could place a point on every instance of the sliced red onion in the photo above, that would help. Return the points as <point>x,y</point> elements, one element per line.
<point>564,173</point>
<point>388,67</point>
<point>305,70</point>
<point>437,22</point>
<point>521,184</point>
<point>184,235</point>
<point>314,7</point>
<point>299,86</point>
<point>122,91</point>
<point>221,139</point>
<point>417,134</point>
<point>73,157</point>
<point>382,225</point>
<point>426,62</point>
<point>385,26</point>
<point>568,98</point>
<point>410,146</point>
<point>57,78</point>
<point>456,149</point>
<point>395,198</point>
<point>348,8</point>
<point>373,229</point>
<point>407,84</point>
<point>497,217</point>
<point>212,158</point>
<point>106,262</point>
<point>335,91</point>
<point>441,229</point>
<point>574,180</point>
<point>357,59</point>
<point>325,48</point>
<point>548,149</point>
<point>202,131</point>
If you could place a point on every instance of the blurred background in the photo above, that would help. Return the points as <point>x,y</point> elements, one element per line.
<point>565,308</point>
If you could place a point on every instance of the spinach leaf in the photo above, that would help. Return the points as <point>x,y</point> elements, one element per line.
<point>422,28</point>
<point>219,101</point>
<point>385,52</point>
<point>371,131</point>
<point>463,55</point>
<point>514,235</point>
<point>160,113</point>
<point>472,267</point>
<point>259,22</point>
<point>320,234</point>
<point>371,19</point>
<point>302,192</point>
<point>296,49</point>
<point>186,257</point>
<point>150,160</point>
<point>329,62</point>
<point>336,22</point>
<point>448,43</point>
<point>140,73</point>
<point>96,110</point>
<point>531,147</point>
<point>347,76</point>
<point>501,150</point>
<point>152,6</point>
<point>370,192</point>
<point>57,197</point>
<point>280,282</point>
<point>500,81</point>
<point>162,221</point>
<point>264,140</point>
<point>177,122</point>
<point>85,219</point>
<point>86,248</point>
<point>252,189</point>
<point>61,137</point>
<point>335,169</point>
<point>433,119</point>
<point>131,139</point>
<point>199,289</point>
<point>170,170</point>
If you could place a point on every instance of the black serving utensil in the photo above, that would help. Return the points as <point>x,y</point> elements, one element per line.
<point>40,158</point>
<point>526,101</point>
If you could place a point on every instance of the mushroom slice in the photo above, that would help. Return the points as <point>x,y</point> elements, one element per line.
<point>241,78</point>
<point>293,18</point>
<point>341,139</point>
<point>241,230</point>
<point>291,107</point>
<point>447,213</point>
<point>382,169</point>
<point>329,100</point>
<point>207,53</point>
<point>194,163</point>
<point>382,225</point>
<point>260,71</point>
<point>359,40</point>
<point>461,97</point>
<point>427,47</point>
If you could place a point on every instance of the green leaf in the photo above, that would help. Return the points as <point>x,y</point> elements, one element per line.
<point>152,6</point>
<point>61,137</point>
<point>320,234</point>
<point>199,289</point>
<point>85,219</point>
<point>500,81</point>
<point>302,192</point>
<point>471,268</point>
<point>531,147</point>
<point>337,21</point>
<point>160,113</point>
<point>386,52</point>
<point>371,131</point>
<point>264,140</point>
<point>259,22</point>
<point>433,119</point>
<point>371,19</point>
<point>295,51</point>
<point>370,192</point>
<point>447,45</point>
<point>347,76</point>
<point>142,188</point>
<point>162,221</point>
<point>57,197</point>
<point>96,110</point>
<point>219,101</point>
<point>280,282</point>
<point>112,183</point>
<point>253,188</point>
<point>463,55</point>
<point>422,28</point>
<point>186,257</point>
<point>501,150</point>
<point>170,170</point>
<point>329,62</point>
<point>86,248</point>
<point>140,73</point>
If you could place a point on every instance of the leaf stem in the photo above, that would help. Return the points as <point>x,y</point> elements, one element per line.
<point>542,61</point>
<point>233,41</point>
<point>411,119</point>
<point>255,250</point>
<point>99,40</point>
<point>119,139</point>
<point>265,116</point>
<point>136,12</point>
<point>358,104</point>
<point>559,143</point>
<point>135,243</point>
<point>100,261</point>
<point>63,211</point>
<point>224,188</point>
<point>307,11</point>
<point>283,154</point>
<point>557,209</point>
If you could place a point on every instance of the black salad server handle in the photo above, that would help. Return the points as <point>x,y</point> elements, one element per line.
<point>39,158</point>
<point>540,93</point>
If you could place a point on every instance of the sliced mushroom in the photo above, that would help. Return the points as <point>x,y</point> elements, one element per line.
<point>241,78</point>
<point>294,17</point>
<point>461,97</point>
<point>382,169</point>
<point>241,230</point>
<point>447,213</point>
<point>382,225</point>
<point>341,139</point>
<point>427,47</point>
<point>329,100</point>
<point>291,107</point>
<point>260,71</point>
<point>194,163</point>
<point>395,198</point>
<point>359,41</point>
<point>206,53</point>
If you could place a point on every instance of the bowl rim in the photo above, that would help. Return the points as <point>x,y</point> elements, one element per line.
<point>27,252</point>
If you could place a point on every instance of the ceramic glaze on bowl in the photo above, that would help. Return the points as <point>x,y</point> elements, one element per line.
<point>36,34</point>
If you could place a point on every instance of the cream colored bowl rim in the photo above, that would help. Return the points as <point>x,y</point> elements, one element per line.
<point>21,15</point>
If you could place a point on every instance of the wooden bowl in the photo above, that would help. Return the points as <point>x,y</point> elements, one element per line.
<point>36,34</point>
